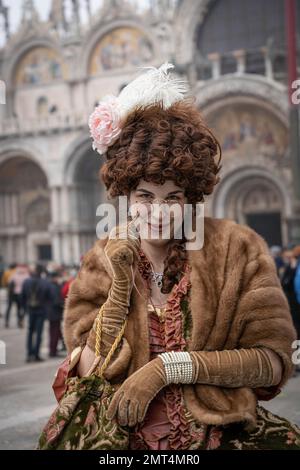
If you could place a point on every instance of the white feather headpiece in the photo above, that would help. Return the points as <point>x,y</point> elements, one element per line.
<point>156,85</point>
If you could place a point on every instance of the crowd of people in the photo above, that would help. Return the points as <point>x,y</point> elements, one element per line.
<point>287,261</point>
<point>40,292</point>
<point>37,292</point>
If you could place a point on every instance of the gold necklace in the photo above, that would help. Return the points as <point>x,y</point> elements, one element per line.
<point>161,313</point>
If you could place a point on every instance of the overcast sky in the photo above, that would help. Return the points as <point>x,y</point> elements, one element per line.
<point>15,7</point>
<point>15,10</point>
<point>43,7</point>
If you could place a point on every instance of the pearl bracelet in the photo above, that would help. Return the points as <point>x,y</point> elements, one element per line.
<point>178,366</point>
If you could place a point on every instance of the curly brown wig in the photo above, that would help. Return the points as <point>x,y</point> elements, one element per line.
<point>157,144</point>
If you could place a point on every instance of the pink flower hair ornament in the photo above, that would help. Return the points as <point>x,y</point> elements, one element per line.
<point>105,123</point>
<point>156,85</point>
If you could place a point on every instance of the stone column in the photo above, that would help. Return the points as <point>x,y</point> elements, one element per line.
<point>76,248</point>
<point>215,59</point>
<point>55,224</point>
<point>268,63</point>
<point>65,206</point>
<point>7,211</point>
<point>240,56</point>
<point>14,208</point>
<point>67,255</point>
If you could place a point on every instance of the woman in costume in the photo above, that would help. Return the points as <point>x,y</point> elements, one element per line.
<point>209,331</point>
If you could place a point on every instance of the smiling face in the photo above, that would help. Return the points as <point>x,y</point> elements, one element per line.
<point>154,201</point>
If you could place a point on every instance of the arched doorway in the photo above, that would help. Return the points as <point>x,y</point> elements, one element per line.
<point>86,193</point>
<point>251,197</point>
<point>254,187</point>
<point>24,212</point>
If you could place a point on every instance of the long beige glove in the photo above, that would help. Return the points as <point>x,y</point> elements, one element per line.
<point>229,368</point>
<point>233,368</point>
<point>123,256</point>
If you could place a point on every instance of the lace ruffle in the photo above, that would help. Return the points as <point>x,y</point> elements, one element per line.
<point>168,336</point>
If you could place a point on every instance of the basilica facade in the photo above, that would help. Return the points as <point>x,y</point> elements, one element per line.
<point>233,55</point>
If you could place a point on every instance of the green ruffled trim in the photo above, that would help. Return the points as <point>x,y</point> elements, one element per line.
<point>187,317</point>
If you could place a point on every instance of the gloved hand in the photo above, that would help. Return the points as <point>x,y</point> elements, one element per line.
<point>229,368</point>
<point>130,402</point>
<point>122,253</point>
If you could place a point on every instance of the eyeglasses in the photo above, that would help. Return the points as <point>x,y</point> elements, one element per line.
<point>148,200</point>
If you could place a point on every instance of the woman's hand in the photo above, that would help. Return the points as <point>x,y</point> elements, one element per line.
<point>122,253</point>
<point>86,361</point>
<point>131,400</point>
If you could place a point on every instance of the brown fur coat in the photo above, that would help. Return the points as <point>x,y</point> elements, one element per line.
<point>236,302</point>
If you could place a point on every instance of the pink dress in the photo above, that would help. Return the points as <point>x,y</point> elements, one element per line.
<point>165,425</point>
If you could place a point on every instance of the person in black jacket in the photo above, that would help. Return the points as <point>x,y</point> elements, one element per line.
<point>36,298</point>
<point>55,313</point>
<point>287,282</point>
